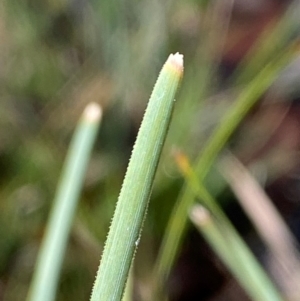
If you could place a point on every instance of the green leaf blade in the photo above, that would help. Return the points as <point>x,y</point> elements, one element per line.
<point>51,254</point>
<point>129,215</point>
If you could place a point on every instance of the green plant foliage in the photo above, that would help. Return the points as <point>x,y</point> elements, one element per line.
<point>46,275</point>
<point>56,56</point>
<point>125,230</point>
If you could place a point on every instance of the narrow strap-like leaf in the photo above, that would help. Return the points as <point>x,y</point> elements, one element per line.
<point>129,215</point>
<point>46,274</point>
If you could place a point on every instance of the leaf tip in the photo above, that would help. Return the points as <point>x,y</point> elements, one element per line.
<point>93,112</point>
<point>199,215</point>
<point>176,61</point>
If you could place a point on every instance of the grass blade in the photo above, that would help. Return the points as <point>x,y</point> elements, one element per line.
<point>46,274</point>
<point>226,242</point>
<point>133,200</point>
<point>269,224</point>
<point>228,247</point>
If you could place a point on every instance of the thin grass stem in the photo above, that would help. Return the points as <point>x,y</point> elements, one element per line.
<point>227,243</point>
<point>269,224</point>
<point>51,254</point>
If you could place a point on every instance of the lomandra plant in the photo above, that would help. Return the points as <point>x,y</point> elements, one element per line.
<point>125,230</point>
<point>131,208</point>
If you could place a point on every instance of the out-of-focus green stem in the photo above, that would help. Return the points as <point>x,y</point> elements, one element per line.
<point>125,230</point>
<point>50,257</point>
<point>225,240</point>
<point>235,254</point>
<point>272,42</point>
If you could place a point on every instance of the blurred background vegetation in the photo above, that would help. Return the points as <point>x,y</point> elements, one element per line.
<point>57,55</point>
